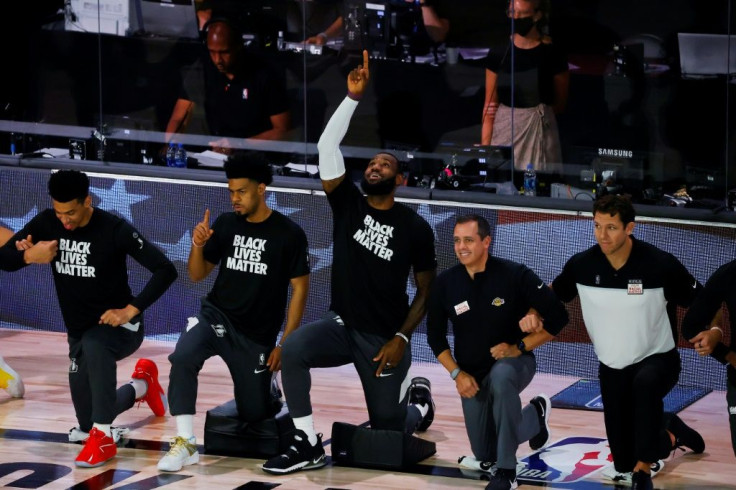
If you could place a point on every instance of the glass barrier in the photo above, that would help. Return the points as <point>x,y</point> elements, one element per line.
<point>604,96</point>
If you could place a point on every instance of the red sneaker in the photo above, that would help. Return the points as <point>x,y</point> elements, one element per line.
<point>155,397</point>
<point>98,450</point>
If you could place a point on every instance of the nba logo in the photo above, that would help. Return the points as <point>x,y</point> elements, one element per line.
<point>262,359</point>
<point>570,460</point>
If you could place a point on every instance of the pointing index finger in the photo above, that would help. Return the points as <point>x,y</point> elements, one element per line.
<point>206,219</point>
<point>366,59</point>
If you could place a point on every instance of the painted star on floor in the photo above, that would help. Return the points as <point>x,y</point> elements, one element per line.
<point>117,199</point>
<point>16,224</point>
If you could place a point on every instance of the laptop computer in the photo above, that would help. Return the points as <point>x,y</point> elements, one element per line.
<point>175,19</point>
<point>703,55</point>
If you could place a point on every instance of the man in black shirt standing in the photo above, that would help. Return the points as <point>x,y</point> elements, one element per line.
<point>488,301</point>
<point>103,319</point>
<point>628,292</point>
<point>260,253</point>
<point>376,242</point>
<point>705,313</point>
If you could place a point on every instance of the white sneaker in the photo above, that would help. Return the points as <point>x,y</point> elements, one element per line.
<point>473,464</point>
<point>78,435</point>
<point>11,381</point>
<point>182,453</point>
<point>610,473</point>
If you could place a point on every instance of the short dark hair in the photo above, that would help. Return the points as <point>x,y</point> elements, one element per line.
<point>484,228</point>
<point>67,185</point>
<point>616,205</point>
<point>249,165</point>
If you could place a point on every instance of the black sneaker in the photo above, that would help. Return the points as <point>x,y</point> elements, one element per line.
<point>685,436</point>
<point>503,479</point>
<point>543,405</point>
<point>641,481</point>
<point>300,456</point>
<point>420,394</point>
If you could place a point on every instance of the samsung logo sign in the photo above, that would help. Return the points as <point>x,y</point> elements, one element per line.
<point>612,152</point>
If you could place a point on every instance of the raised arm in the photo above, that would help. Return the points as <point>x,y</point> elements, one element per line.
<point>197,267</point>
<point>331,161</point>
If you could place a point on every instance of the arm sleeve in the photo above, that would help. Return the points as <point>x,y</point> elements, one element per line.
<point>10,258</point>
<point>424,258</point>
<point>543,299</point>
<point>300,255</point>
<point>437,321</point>
<point>564,285</point>
<point>331,162</point>
<point>707,303</point>
<point>162,270</point>
<point>681,287</point>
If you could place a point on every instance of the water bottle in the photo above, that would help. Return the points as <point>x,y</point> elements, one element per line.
<point>180,157</point>
<point>530,181</point>
<point>170,155</point>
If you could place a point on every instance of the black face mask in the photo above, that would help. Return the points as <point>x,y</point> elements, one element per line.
<point>380,188</point>
<point>523,25</point>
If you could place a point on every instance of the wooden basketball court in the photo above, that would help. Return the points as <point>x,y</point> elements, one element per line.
<point>34,452</point>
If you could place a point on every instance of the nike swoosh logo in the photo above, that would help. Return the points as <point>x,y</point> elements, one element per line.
<point>540,286</point>
<point>383,375</point>
<point>259,371</point>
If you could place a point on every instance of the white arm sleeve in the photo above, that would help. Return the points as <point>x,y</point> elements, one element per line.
<point>331,162</point>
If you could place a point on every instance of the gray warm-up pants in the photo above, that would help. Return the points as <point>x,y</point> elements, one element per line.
<point>494,419</point>
<point>330,343</point>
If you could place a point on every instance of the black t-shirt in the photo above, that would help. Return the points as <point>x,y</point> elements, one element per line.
<point>534,70</point>
<point>485,311</point>
<point>90,270</point>
<point>242,107</point>
<point>374,251</point>
<point>257,261</point>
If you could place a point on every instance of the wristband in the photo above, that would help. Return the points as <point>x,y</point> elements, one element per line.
<point>354,97</point>
<point>399,334</point>
<point>717,328</point>
<point>323,36</point>
<point>455,372</point>
<point>195,244</point>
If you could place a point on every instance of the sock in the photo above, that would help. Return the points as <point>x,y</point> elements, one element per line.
<point>306,424</point>
<point>106,428</point>
<point>185,427</point>
<point>140,386</point>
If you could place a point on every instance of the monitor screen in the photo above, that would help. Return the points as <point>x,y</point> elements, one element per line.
<point>167,18</point>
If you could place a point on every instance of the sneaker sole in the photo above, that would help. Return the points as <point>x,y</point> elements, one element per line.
<point>84,464</point>
<point>193,459</point>
<point>304,466</point>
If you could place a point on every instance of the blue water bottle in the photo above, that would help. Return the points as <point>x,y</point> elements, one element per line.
<point>180,157</point>
<point>530,181</point>
<point>171,155</point>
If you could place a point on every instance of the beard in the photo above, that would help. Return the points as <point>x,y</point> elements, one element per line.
<point>380,188</point>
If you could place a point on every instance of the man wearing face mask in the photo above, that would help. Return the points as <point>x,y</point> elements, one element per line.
<point>539,82</point>
<point>376,242</point>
